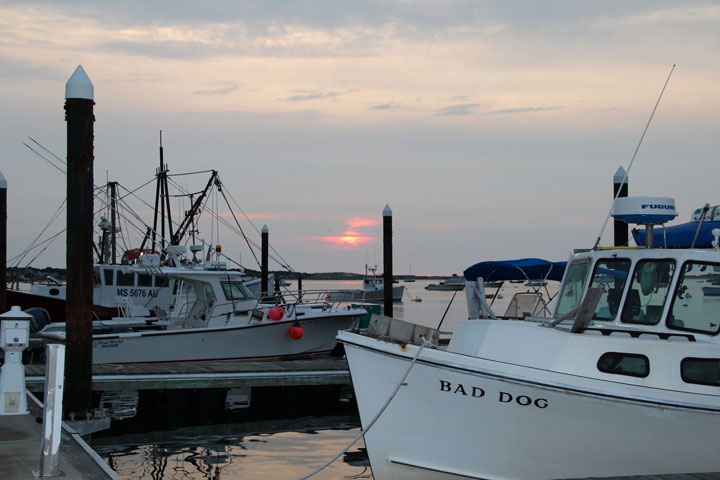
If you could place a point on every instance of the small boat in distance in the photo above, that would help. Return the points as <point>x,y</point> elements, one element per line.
<point>455,283</point>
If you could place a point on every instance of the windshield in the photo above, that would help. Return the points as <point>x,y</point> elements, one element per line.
<point>610,275</point>
<point>571,292</point>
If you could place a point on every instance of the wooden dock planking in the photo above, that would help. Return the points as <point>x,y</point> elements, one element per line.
<point>223,374</point>
<point>20,450</point>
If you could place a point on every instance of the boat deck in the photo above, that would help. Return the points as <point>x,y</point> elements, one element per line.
<point>224,374</point>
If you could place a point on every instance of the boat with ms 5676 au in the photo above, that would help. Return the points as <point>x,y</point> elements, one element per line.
<point>623,379</point>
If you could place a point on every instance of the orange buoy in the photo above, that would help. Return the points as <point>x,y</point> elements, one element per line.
<point>276,313</point>
<point>296,331</point>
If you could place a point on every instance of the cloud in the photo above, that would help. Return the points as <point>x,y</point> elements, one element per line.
<point>440,226</point>
<point>218,91</point>
<point>386,106</point>
<point>348,241</point>
<point>362,222</point>
<point>304,96</point>
<point>460,109</point>
<point>512,111</point>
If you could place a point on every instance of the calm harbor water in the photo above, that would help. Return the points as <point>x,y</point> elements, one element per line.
<point>279,449</point>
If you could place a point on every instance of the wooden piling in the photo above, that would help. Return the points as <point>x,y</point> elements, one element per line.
<point>3,242</point>
<point>79,116</point>
<point>265,246</point>
<point>387,262</point>
<point>620,184</point>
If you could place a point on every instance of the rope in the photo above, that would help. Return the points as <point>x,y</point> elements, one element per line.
<point>377,416</point>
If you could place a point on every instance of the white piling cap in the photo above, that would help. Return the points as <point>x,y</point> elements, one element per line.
<point>3,181</point>
<point>15,313</point>
<point>620,175</point>
<point>79,85</point>
<point>264,229</point>
<point>387,211</point>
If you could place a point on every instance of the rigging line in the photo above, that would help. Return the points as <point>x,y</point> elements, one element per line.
<point>27,251</point>
<point>45,158</point>
<point>632,160</point>
<point>222,191</point>
<point>189,173</point>
<point>46,247</point>
<point>33,244</point>
<point>61,160</point>
<point>283,262</point>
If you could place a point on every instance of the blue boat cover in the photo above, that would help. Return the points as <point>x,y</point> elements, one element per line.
<point>521,269</point>
<point>679,236</point>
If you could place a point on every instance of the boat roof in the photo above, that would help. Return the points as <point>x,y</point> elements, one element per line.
<point>679,236</point>
<point>519,269</point>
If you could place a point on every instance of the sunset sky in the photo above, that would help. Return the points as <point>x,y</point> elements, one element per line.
<point>491,128</point>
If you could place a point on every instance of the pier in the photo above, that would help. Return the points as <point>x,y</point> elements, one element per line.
<point>20,449</point>
<point>198,375</point>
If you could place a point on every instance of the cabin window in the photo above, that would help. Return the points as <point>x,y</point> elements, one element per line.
<point>235,291</point>
<point>108,273</point>
<point>649,289</point>
<point>696,302</point>
<point>144,280</point>
<point>162,282</point>
<point>610,275</point>
<point>125,279</point>
<point>631,364</point>
<point>96,277</point>
<point>705,371</point>
<point>569,297</point>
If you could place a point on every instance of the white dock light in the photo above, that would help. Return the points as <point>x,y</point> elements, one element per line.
<point>14,338</point>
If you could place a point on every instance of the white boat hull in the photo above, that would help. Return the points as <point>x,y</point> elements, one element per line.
<point>256,341</point>
<point>460,416</point>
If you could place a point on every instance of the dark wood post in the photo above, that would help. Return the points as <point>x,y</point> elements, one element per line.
<point>265,246</point>
<point>620,184</point>
<point>79,94</point>
<point>387,262</point>
<point>3,242</point>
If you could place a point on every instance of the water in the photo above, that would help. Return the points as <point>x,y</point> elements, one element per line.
<point>278,449</point>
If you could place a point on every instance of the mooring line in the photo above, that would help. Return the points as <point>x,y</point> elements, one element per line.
<point>377,416</point>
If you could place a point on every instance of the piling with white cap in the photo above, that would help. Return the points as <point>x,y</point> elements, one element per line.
<point>387,262</point>
<point>264,263</point>
<point>620,184</point>
<point>3,241</point>
<point>79,96</point>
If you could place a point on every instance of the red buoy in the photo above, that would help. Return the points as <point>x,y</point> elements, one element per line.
<point>296,331</point>
<point>276,313</point>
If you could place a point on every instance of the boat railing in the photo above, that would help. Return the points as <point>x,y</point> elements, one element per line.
<point>332,298</point>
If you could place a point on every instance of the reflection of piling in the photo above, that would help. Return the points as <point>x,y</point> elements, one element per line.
<point>387,262</point>
<point>3,241</point>
<point>265,246</point>
<point>79,297</point>
<point>620,183</point>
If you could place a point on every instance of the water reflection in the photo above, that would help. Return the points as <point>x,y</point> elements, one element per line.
<point>285,449</point>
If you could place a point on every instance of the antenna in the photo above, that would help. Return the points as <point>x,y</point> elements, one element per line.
<point>632,160</point>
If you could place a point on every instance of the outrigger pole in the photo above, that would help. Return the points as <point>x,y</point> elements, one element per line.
<point>627,171</point>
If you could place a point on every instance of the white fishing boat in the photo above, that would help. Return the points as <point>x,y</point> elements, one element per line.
<point>373,290</point>
<point>622,379</point>
<point>214,317</point>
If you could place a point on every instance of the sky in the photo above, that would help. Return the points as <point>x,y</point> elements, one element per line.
<point>492,129</point>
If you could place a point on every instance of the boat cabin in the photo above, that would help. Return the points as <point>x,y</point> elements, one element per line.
<point>669,291</point>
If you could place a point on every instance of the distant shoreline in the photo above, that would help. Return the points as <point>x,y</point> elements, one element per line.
<point>32,274</point>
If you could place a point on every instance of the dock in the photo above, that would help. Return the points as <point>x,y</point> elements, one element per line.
<point>222,374</point>
<point>21,449</point>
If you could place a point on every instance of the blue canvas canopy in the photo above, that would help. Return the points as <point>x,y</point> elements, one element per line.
<point>679,236</point>
<point>520,269</point>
